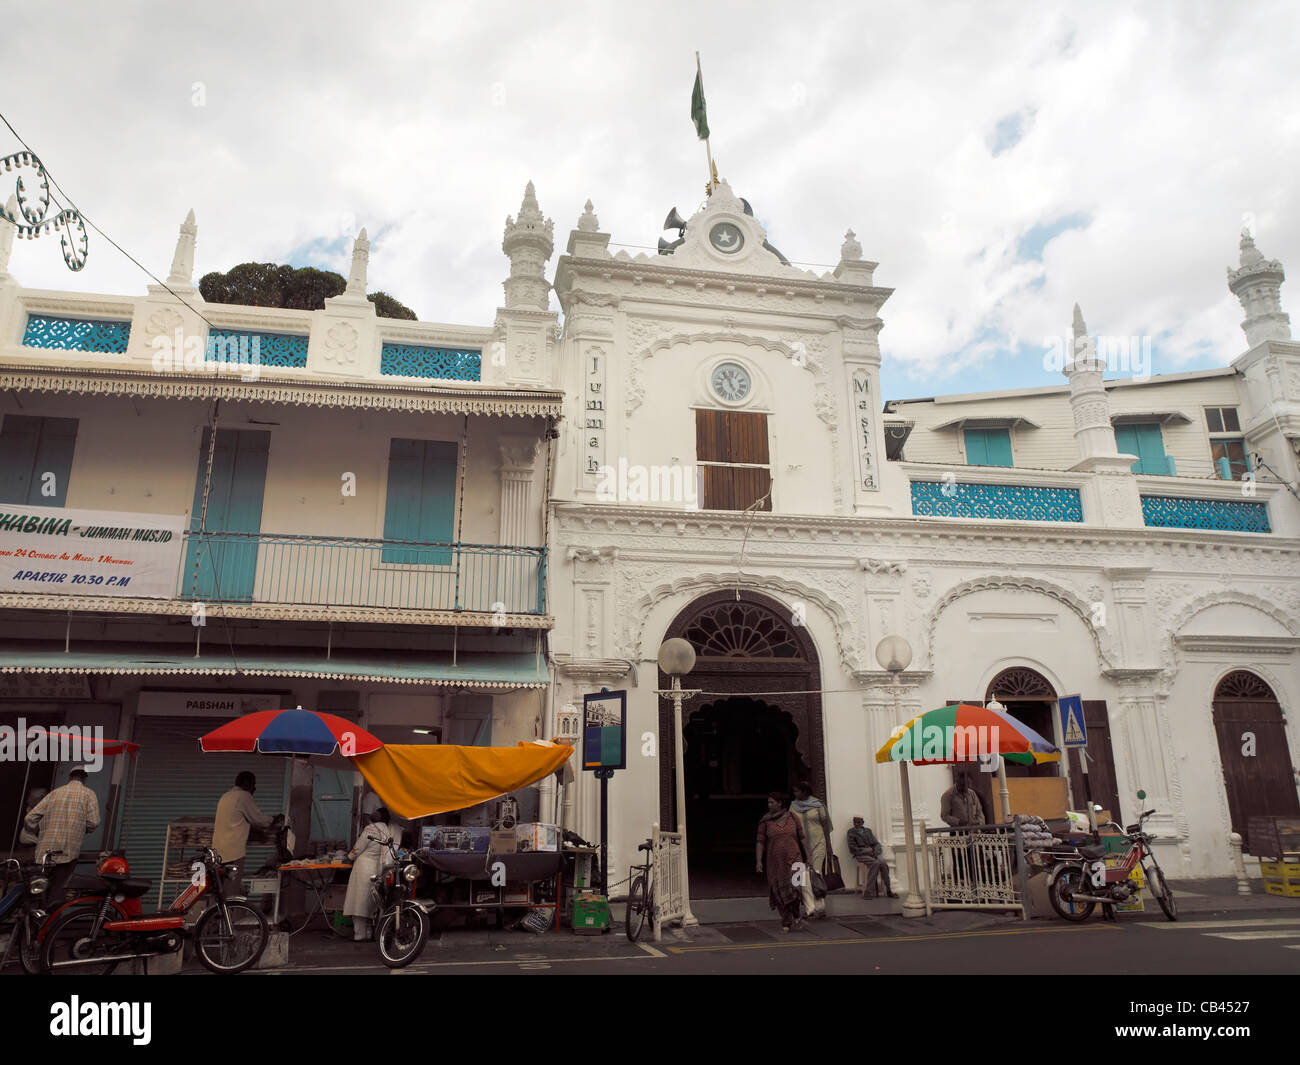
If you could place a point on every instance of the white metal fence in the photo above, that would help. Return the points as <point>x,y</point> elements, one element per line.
<point>669,862</point>
<point>979,868</point>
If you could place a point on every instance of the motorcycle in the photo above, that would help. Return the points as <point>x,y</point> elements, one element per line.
<point>104,927</point>
<point>402,921</point>
<point>23,899</point>
<point>1079,879</point>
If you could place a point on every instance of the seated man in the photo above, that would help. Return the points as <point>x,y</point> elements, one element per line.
<point>867,850</point>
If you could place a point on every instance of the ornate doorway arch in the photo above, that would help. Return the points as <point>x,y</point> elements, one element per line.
<point>1257,769</point>
<point>743,647</point>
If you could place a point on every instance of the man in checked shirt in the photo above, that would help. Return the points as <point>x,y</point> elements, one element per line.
<point>63,818</point>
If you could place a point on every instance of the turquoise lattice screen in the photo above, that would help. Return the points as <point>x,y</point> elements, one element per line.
<point>995,502</point>
<point>257,349</point>
<point>1226,515</point>
<point>76,334</point>
<point>413,360</point>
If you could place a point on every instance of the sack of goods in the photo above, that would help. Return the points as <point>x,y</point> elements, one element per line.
<point>537,837</point>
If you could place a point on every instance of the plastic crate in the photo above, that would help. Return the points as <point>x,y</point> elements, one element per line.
<point>1285,870</point>
<point>1286,888</point>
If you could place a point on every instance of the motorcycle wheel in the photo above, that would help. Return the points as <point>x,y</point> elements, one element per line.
<point>232,948</point>
<point>401,943</point>
<point>1160,888</point>
<point>1062,896</point>
<point>638,909</point>
<point>62,942</point>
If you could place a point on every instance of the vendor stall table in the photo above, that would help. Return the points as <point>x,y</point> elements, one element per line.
<point>316,875</point>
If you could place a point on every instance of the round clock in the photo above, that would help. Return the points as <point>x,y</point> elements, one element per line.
<point>727,237</point>
<point>730,382</point>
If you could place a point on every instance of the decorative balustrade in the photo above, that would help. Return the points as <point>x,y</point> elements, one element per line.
<point>1001,502</point>
<point>414,360</point>
<point>1226,515</point>
<point>343,571</point>
<point>76,334</point>
<point>247,348</point>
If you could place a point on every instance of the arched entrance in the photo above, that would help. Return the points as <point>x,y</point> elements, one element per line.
<point>1257,769</point>
<point>759,731</point>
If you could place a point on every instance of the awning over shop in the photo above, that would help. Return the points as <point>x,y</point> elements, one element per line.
<point>472,670</point>
<point>418,781</point>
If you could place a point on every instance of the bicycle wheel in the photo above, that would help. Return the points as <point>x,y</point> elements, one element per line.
<point>29,947</point>
<point>230,939</point>
<point>401,935</point>
<point>66,948</point>
<point>1160,889</point>
<point>638,909</point>
<point>1062,896</point>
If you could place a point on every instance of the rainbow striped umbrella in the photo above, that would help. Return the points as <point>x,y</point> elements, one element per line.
<point>963,733</point>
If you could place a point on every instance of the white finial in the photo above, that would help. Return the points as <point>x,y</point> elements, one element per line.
<point>587,221</point>
<point>1080,330</point>
<point>850,250</point>
<point>182,273</point>
<point>7,231</point>
<point>360,261</point>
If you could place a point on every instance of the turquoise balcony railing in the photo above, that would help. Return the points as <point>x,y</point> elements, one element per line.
<point>416,360</point>
<point>225,567</point>
<point>1226,515</point>
<point>76,334</point>
<point>996,502</point>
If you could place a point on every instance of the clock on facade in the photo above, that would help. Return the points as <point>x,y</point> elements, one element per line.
<point>730,382</point>
<point>727,237</point>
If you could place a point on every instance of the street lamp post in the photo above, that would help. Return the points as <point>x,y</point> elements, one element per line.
<point>895,654</point>
<point>676,658</point>
<point>1003,794</point>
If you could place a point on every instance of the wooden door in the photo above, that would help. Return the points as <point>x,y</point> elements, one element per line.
<point>1257,769</point>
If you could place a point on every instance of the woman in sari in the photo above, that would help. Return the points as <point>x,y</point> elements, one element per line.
<point>369,857</point>
<point>780,846</point>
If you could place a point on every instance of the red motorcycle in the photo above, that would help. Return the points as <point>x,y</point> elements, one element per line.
<point>104,927</point>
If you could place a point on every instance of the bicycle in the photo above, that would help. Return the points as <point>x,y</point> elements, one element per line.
<point>25,887</point>
<point>641,896</point>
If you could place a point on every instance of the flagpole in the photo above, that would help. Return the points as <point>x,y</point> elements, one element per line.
<point>708,151</point>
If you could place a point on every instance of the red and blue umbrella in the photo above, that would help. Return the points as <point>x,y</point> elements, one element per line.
<point>295,731</point>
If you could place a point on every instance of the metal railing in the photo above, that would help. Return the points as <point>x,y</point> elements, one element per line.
<point>978,868</point>
<point>276,568</point>
<point>669,861</point>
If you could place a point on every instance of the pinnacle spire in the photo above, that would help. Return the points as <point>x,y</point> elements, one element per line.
<point>182,272</point>
<point>360,262</point>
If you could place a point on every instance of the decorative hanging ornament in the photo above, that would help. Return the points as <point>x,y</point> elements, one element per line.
<point>75,247</point>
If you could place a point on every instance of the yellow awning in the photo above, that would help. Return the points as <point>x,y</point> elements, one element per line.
<point>417,780</point>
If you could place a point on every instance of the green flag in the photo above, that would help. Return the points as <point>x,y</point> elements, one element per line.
<point>698,115</point>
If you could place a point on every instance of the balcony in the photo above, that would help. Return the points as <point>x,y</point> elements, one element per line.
<point>272,569</point>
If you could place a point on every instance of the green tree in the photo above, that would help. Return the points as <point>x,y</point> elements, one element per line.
<point>303,289</point>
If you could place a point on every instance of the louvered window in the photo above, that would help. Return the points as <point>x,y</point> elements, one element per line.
<point>732,454</point>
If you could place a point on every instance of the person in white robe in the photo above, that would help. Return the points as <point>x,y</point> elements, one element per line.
<point>369,857</point>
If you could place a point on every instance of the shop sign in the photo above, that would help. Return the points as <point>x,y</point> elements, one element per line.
<point>207,704</point>
<point>44,686</point>
<point>54,550</point>
<point>604,730</point>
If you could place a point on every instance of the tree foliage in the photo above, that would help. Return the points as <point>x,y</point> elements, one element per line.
<point>302,289</point>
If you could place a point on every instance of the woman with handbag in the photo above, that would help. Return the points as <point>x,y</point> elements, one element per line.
<point>823,867</point>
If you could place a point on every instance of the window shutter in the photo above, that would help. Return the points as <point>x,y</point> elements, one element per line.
<point>31,447</point>
<point>420,502</point>
<point>998,445</point>
<point>976,448</point>
<point>54,455</point>
<point>18,443</point>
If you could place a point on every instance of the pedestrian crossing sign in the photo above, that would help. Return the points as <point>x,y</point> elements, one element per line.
<point>1073,733</point>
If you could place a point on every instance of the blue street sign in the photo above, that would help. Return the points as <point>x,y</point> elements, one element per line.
<point>1073,733</point>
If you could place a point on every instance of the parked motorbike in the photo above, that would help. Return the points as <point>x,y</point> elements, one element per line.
<point>104,927</point>
<point>402,922</point>
<point>1079,879</point>
<point>24,902</point>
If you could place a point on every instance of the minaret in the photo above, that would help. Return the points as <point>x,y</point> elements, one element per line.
<point>1088,400</point>
<point>7,231</point>
<point>1257,283</point>
<point>182,274</point>
<point>528,243</point>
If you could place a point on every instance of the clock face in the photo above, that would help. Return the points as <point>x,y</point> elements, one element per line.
<point>731,382</point>
<point>727,237</point>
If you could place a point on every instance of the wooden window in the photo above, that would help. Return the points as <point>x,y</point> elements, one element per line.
<point>1144,440</point>
<point>988,447</point>
<point>735,466</point>
<point>421,499</point>
<point>36,459</point>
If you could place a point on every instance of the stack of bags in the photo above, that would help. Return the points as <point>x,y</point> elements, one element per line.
<point>1035,832</point>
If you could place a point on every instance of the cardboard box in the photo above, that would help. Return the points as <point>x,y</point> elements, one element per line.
<point>537,837</point>
<point>1043,797</point>
<point>503,841</point>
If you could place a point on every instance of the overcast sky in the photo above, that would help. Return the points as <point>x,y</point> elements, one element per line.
<point>1000,161</point>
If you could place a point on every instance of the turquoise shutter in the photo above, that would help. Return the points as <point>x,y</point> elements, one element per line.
<point>1151,448</point>
<point>421,500</point>
<point>998,444</point>
<point>30,448</point>
<point>227,569</point>
<point>976,448</point>
<point>1126,443</point>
